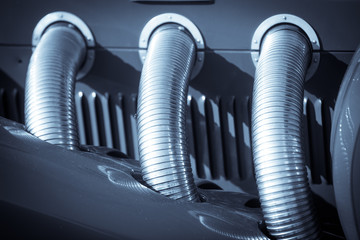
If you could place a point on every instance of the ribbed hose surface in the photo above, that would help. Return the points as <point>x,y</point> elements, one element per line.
<point>49,91</point>
<point>278,153</point>
<point>163,150</point>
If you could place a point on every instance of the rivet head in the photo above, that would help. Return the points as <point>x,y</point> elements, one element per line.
<point>255,42</point>
<point>170,17</point>
<point>284,17</point>
<point>314,41</point>
<point>256,59</point>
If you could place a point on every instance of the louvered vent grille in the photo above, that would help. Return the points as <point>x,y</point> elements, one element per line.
<point>218,131</point>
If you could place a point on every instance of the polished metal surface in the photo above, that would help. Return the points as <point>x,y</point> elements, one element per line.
<point>167,18</point>
<point>286,18</point>
<point>163,149</point>
<point>49,90</point>
<point>278,153</point>
<point>61,16</point>
<point>345,150</point>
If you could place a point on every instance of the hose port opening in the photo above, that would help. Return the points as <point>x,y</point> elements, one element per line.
<point>253,203</point>
<point>263,229</point>
<point>207,185</point>
<point>72,21</point>
<point>185,25</point>
<point>287,20</point>
<point>136,174</point>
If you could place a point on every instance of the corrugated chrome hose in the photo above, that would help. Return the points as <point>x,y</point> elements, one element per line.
<point>279,159</point>
<point>49,91</point>
<point>163,149</point>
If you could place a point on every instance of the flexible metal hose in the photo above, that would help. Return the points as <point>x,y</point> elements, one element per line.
<point>49,90</point>
<point>163,150</point>
<point>279,160</point>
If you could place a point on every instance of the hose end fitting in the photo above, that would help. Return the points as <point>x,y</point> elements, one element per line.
<point>60,55</point>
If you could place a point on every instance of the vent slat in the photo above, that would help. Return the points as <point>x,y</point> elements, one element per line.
<point>305,132</point>
<point>129,110</point>
<point>243,140</point>
<point>310,118</point>
<point>326,111</point>
<point>86,120</point>
<point>228,137</point>
<point>120,125</point>
<point>190,136</point>
<point>105,107</point>
<point>198,139</point>
<point>316,141</point>
<point>80,116</point>
<point>203,137</point>
<point>213,129</point>
<point>133,124</point>
<point>93,119</point>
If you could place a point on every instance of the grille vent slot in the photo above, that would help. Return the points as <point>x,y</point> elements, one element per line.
<point>218,130</point>
<point>219,137</point>
<point>107,120</point>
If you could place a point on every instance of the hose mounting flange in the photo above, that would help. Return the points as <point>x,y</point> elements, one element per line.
<point>287,19</point>
<point>70,18</point>
<point>164,18</point>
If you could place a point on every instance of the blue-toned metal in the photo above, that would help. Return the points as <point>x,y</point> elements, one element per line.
<point>96,194</point>
<point>49,91</point>
<point>163,149</point>
<point>278,153</point>
<point>345,149</point>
